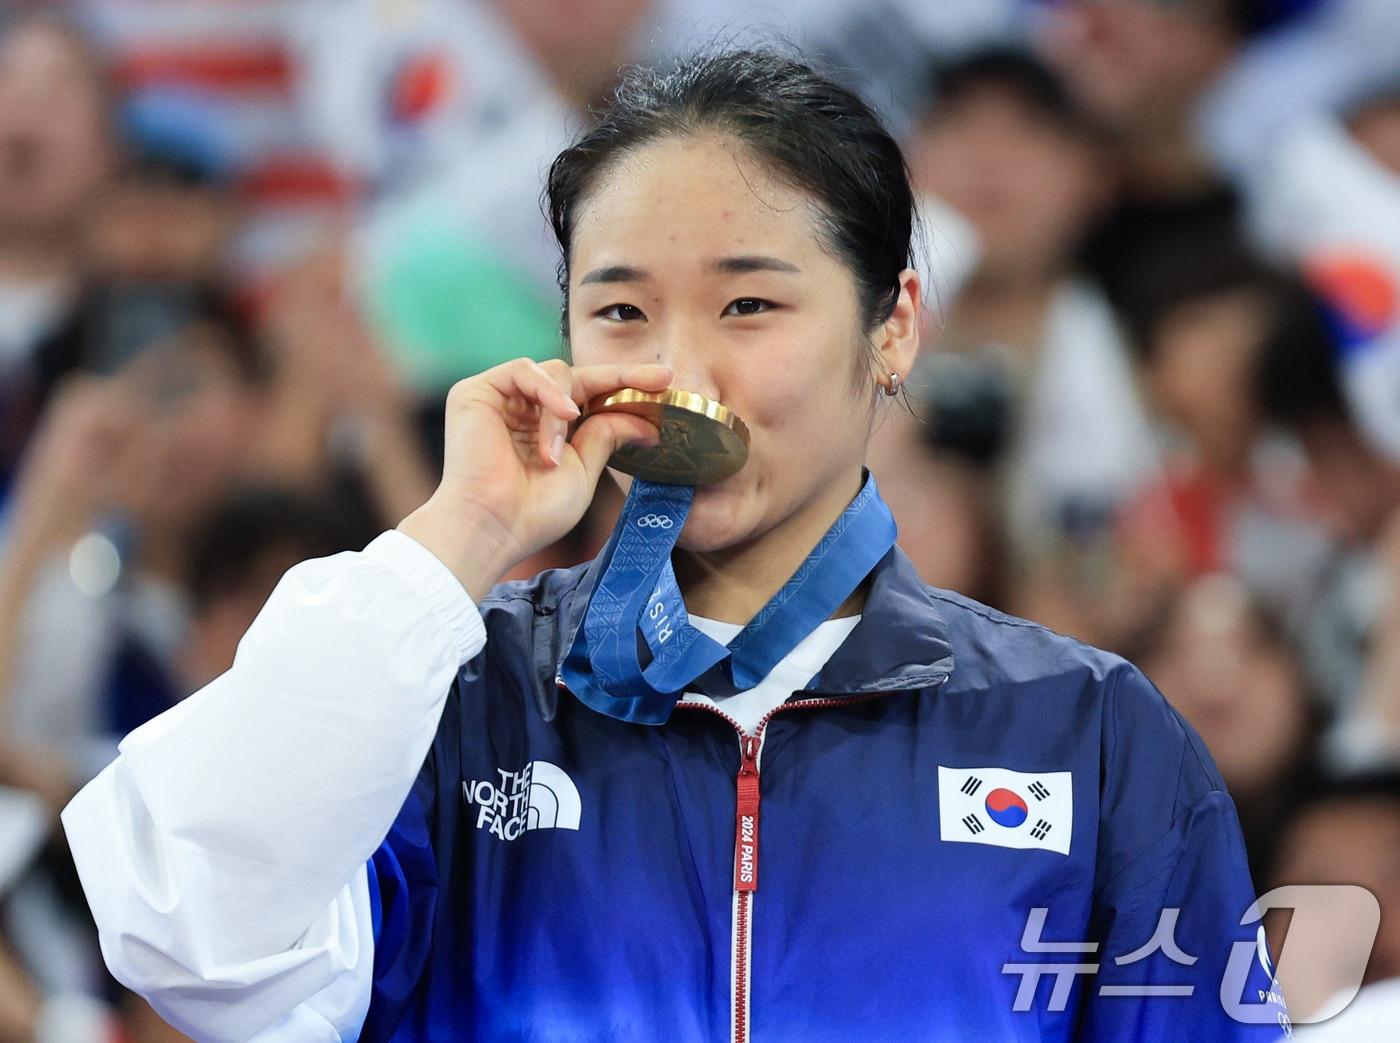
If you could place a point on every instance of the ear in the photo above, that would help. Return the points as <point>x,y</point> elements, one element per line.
<point>898,338</point>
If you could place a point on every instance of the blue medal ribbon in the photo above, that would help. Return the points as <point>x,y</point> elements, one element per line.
<point>637,590</point>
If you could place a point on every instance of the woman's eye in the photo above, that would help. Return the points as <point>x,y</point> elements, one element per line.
<point>748,306</point>
<point>622,313</point>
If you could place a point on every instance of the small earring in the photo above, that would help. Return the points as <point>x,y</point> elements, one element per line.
<point>892,388</point>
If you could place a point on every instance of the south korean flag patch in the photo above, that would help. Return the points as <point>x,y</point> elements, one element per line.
<point>1006,808</point>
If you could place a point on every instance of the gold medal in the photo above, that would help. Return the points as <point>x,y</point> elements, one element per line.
<point>701,440</point>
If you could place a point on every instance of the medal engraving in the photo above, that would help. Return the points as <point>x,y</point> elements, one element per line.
<point>701,440</point>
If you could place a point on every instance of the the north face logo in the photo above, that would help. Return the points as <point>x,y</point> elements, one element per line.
<point>538,796</point>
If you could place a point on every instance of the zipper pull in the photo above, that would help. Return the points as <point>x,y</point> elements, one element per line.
<point>746,826</point>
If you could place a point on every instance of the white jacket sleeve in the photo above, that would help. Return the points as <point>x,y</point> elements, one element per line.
<point>223,852</point>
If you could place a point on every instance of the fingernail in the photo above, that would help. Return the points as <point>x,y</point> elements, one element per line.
<point>556,448</point>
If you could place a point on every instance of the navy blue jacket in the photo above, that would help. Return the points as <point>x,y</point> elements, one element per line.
<point>864,868</point>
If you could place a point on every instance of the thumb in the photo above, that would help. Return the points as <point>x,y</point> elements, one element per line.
<point>601,435</point>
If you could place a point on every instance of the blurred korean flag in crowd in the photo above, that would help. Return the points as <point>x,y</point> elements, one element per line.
<point>1332,208</point>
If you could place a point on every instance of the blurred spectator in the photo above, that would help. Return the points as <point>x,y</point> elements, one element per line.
<point>1143,68</point>
<point>1329,204</point>
<point>1200,315</point>
<point>1300,391</point>
<point>28,1016</point>
<point>236,556</point>
<point>1347,833</point>
<point>169,214</point>
<point>1207,316</point>
<point>944,509</point>
<point>402,92</point>
<point>1236,677</point>
<point>880,47</point>
<point>1349,622</point>
<point>1301,59</point>
<point>448,112</point>
<point>19,1006</point>
<point>122,470</point>
<point>228,565</point>
<point>23,826</point>
<point>154,246</point>
<point>235,64</point>
<point>340,413</point>
<point>55,154</point>
<point>1031,377</point>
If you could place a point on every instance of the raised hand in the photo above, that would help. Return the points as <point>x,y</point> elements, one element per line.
<point>514,480</point>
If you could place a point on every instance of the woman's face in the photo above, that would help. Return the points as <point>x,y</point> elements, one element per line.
<point>201,416</point>
<point>53,134</point>
<point>1028,185</point>
<point>1240,689</point>
<point>690,253</point>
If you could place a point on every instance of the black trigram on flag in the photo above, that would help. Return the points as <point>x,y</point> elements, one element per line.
<point>1006,808</point>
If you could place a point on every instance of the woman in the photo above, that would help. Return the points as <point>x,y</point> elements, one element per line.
<point>555,870</point>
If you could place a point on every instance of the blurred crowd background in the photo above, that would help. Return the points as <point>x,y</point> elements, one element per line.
<point>247,245</point>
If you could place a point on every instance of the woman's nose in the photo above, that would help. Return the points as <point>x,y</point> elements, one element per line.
<point>691,371</point>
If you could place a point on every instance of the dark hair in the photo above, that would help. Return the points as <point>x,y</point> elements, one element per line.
<point>1370,785</point>
<point>117,321</point>
<point>214,309</point>
<point>1255,17</point>
<point>1183,269</point>
<point>1299,381</point>
<point>813,133</point>
<point>1296,376</point>
<point>1018,74</point>
<point>256,521</point>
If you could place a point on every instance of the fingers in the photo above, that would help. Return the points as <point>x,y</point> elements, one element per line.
<point>530,381</point>
<point>602,434</point>
<point>588,381</point>
<point>584,382</point>
<point>559,390</point>
<point>554,427</point>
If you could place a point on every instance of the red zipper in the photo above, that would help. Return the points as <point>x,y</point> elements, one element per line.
<point>746,840</point>
<point>746,824</point>
<point>746,847</point>
<point>743,936</point>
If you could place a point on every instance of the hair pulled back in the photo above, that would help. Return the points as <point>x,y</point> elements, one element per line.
<point>810,131</point>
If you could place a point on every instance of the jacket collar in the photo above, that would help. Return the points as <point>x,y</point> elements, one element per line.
<point>900,643</point>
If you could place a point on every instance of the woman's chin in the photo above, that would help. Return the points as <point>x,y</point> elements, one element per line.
<point>712,525</point>
<point>717,513</point>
